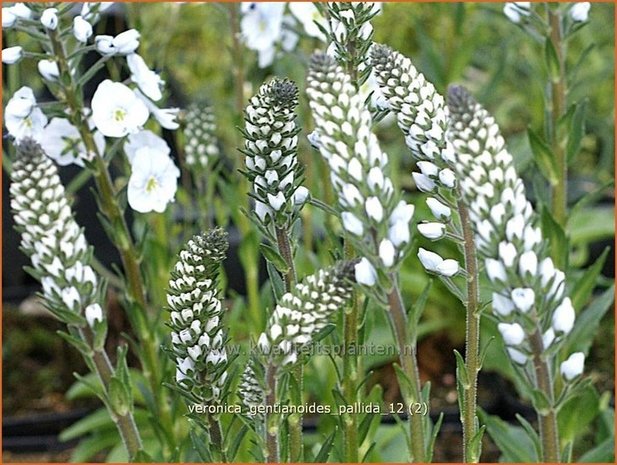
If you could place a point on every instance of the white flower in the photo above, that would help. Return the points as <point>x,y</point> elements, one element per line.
<point>104,44</point>
<point>512,334</point>
<point>432,231</point>
<point>438,209</point>
<point>447,178</point>
<point>507,253</point>
<point>276,201</point>
<point>62,143</point>
<point>308,14</point>
<point>430,260</point>
<point>517,356</point>
<point>516,10</point>
<point>580,11</point>
<point>399,234</point>
<point>166,117</point>
<point>300,195</point>
<point>8,18</point>
<point>82,29</point>
<point>523,298</point>
<point>502,305</point>
<point>22,117</point>
<point>145,138</point>
<point>21,11</point>
<point>88,7</point>
<point>448,267</point>
<point>564,316</point>
<point>374,209</point>
<point>365,272</point>
<point>352,224</point>
<point>126,42</point>
<point>402,213</point>
<point>428,169</point>
<point>12,55</point>
<point>93,313</point>
<point>387,252</point>
<point>116,110</point>
<point>495,270</point>
<point>547,338</point>
<point>148,81</point>
<point>573,366</point>
<point>528,263</point>
<point>261,28</point>
<point>262,211</point>
<point>424,183</point>
<point>48,69</point>
<point>49,18</point>
<point>153,181</point>
<point>547,270</point>
<point>351,195</point>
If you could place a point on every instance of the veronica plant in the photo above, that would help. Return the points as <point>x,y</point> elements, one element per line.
<point>198,336</point>
<point>529,298</point>
<point>422,116</point>
<point>73,293</point>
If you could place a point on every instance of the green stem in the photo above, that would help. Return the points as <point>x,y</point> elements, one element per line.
<point>557,107</point>
<point>549,432</point>
<point>122,239</point>
<point>472,335</point>
<point>271,425</point>
<point>216,436</point>
<point>407,355</point>
<point>295,420</point>
<point>125,423</point>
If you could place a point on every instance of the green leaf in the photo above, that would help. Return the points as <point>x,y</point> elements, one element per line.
<point>274,257</point>
<point>232,451</point>
<point>551,60</point>
<point>119,397</point>
<point>540,401</point>
<point>531,433</point>
<point>558,243</point>
<point>324,452</point>
<point>462,381</point>
<point>602,453</point>
<point>512,441</point>
<point>277,283</point>
<point>89,447</point>
<point>80,345</point>
<point>587,322</point>
<point>577,413</point>
<point>98,421</point>
<point>475,446</point>
<point>404,382</point>
<point>592,224</point>
<point>418,307</point>
<point>543,157</point>
<point>576,131</point>
<point>584,286</point>
<point>435,433</point>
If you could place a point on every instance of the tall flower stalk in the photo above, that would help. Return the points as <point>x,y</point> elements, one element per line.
<point>529,298</point>
<point>61,261</point>
<point>198,337</point>
<point>375,221</point>
<point>271,149</point>
<point>422,116</point>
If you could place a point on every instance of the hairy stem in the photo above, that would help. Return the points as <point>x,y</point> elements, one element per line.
<point>121,237</point>
<point>472,334</point>
<point>295,420</point>
<point>125,423</point>
<point>407,355</point>
<point>271,426</point>
<point>557,108</point>
<point>216,436</point>
<point>549,432</point>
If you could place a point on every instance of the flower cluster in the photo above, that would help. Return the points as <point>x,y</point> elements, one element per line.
<point>251,391</point>
<point>422,116</point>
<point>375,220</point>
<point>529,297</point>
<point>55,243</point>
<point>306,310</point>
<point>351,34</point>
<point>271,145</point>
<point>200,146</point>
<point>198,336</point>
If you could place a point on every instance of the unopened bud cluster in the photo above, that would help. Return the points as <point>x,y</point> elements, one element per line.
<point>422,116</point>
<point>529,292</point>
<point>198,336</point>
<point>351,34</point>
<point>306,310</point>
<point>201,147</point>
<point>375,220</point>
<point>271,145</point>
<point>250,389</point>
<point>55,243</point>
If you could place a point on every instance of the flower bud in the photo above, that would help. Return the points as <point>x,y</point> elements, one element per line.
<point>579,11</point>
<point>495,270</point>
<point>563,317</point>
<point>523,298</point>
<point>387,252</point>
<point>82,29</point>
<point>430,260</point>
<point>423,183</point>
<point>573,366</point>
<point>12,55</point>
<point>49,18</point>
<point>439,210</point>
<point>365,273</point>
<point>432,231</point>
<point>352,224</point>
<point>513,334</point>
<point>93,313</point>
<point>502,305</point>
<point>49,70</point>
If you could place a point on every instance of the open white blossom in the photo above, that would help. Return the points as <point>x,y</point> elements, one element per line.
<point>124,43</point>
<point>308,14</point>
<point>153,182</point>
<point>22,117</point>
<point>116,110</point>
<point>166,117</point>
<point>145,138</point>
<point>62,143</point>
<point>261,27</point>
<point>148,81</point>
<point>93,313</point>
